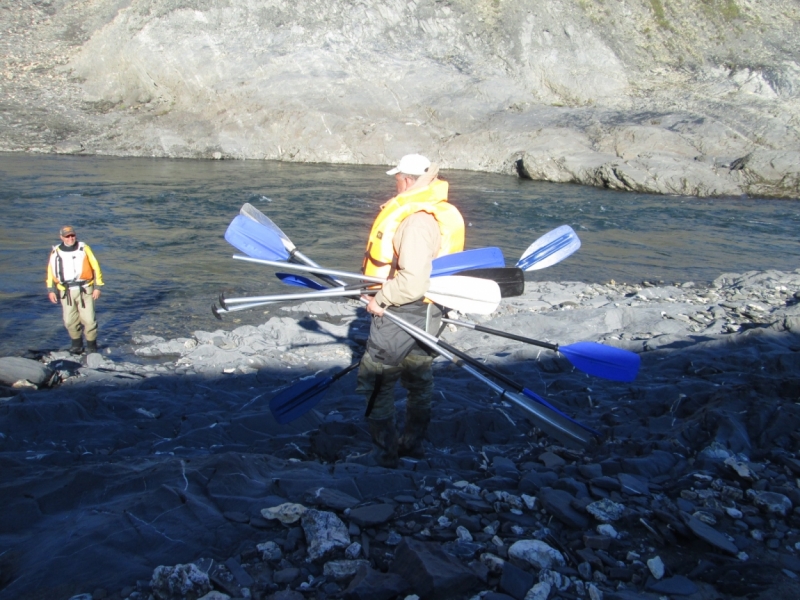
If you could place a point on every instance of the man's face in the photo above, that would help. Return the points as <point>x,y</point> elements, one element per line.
<point>68,239</point>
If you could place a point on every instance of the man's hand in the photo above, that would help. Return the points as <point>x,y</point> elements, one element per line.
<point>373,308</point>
<point>52,297</point>
<point>95,294</point>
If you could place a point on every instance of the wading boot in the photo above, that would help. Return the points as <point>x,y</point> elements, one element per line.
<point>91,346</point>
<point>76,347</point>
<point>410,444</point>
<point>384,440</point>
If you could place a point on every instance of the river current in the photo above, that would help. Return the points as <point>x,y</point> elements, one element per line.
<point>157,228</point>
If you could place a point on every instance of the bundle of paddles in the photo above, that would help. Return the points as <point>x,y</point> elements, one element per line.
<point>406,321</point>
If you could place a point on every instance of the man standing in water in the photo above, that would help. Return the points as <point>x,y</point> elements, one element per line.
<point>73,275</point>
<point>411,230</point>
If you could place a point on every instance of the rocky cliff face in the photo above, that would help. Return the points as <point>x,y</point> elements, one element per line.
<point>669,96</point>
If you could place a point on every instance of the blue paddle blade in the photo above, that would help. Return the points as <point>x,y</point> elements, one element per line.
<point>550,249</point>
<point>603,361</point>
<point>298,399</point>
<point>534,396</point>
<point>255,240</point>
<point>478,258</point>
<point>299,281</point>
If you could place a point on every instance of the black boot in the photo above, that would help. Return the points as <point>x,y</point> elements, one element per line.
<point>384,440</point>
<point>410,444</point>
<point>76,347</point>
<point>91,346</point>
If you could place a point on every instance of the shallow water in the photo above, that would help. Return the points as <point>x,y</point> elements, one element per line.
<point>156,227</point>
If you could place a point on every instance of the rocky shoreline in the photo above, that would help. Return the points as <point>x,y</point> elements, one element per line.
<point>172,480</point>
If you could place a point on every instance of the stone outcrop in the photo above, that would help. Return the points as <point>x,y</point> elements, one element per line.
<point>694,97</point>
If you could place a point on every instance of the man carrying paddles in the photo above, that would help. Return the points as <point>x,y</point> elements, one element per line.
<point>411,230</point>
<point>73,275</point>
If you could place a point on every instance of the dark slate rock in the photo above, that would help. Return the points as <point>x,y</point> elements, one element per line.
<point>497,596</point>
<point>505,467</point>
<point>534,481</point>
<point>607,483</point>
<point>470,502</point>
<point>496,483</point>
<point>657,463</point>
<point>432,573</point>
<point>590,471</point>
<point>557,503</point>
<point>330,498</point>
<point>241,576</point>
<point>711,535</point>
<point>551,460</point>
<point>677,585</point>
<point>369,584</point>
<point>374,514</point>
<point>516,582</point>
<point>632,485</point>
<point>574,487</point>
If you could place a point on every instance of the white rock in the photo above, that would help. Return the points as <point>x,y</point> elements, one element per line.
<point>286,513</point>
<point>656,566</point>
<point>540,591</point>
<point>537,553</point>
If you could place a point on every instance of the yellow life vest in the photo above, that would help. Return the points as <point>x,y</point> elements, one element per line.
<point>380,259</point>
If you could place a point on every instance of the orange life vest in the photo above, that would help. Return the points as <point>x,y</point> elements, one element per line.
<point>380,259</point>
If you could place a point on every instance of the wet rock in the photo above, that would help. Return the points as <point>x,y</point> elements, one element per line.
<point>325,532</point>
<point>430,572</point>
<point>539,591</point>
<point>370,584</point>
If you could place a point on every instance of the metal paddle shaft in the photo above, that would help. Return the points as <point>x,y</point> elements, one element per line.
<point>558,426</point>
<point>608,362</point>
<point>464,294</point>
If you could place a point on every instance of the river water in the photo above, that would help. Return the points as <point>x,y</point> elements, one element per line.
<point>157,228</point>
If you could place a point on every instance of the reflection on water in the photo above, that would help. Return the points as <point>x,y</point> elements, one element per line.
<point>156,226</point>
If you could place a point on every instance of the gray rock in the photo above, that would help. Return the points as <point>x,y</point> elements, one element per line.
<point>15,368</point>
<point>558,504</point>
<point>180,580</point>
<point>712,536</point>
<point>325,532</point>
<point>372,514</point>
<point>430,572</point>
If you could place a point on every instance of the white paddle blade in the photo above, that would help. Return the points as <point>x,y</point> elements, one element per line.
<point>465,294</point>
<point>251,212</point>
<point>550,249</point>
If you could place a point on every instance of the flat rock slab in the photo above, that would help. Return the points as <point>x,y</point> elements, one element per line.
<point>712,536</point>
<point>374,514</point>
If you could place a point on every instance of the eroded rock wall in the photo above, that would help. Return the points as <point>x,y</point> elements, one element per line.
<point>681,96</point>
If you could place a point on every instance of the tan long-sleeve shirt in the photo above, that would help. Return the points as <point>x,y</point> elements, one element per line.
<point>416,242</point>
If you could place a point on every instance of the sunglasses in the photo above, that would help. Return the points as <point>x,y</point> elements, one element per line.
<point>69,235</point>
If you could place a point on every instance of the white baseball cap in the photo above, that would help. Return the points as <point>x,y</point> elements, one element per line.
<point>411,164</point>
